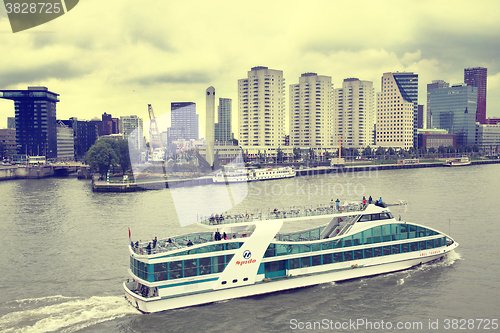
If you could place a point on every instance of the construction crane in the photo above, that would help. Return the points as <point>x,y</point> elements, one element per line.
<point>154,134</point>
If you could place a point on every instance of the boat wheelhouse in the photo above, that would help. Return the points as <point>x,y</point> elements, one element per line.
<point>248,175</point>
<point>246,254</point>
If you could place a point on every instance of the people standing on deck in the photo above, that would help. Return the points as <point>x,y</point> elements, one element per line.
<point>364,201</point>
<point>154,242</point>
<point>370,199</point>
<point>337,203</point>
<point>224,236</point>
<point>148,248</point>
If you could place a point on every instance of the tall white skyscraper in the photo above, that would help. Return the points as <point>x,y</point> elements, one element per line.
<point>311,112</point>
<point>355,113</point>
<point>210,124</point>
<point>261,108</point>
<point>395,113</point>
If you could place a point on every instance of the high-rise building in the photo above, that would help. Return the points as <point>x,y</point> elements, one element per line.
<point>65,142</point>
<point>223,126</point>
<point>85,135</point>
<point>355,113</point>
<point>127,126</point>
<point>453,109</point>
<point>35,110</point>
<point>184,121</point>
<point>407,83</point>
<point>210,125</point>
<point>311,112</point>
<point>8,139</point>
<point>436,84</point>
<point>11,122</point>
<point>261,108</point>
<point>396,111</point>
<point>477,77</point>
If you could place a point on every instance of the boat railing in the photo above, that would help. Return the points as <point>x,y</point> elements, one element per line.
<point>275,214</point>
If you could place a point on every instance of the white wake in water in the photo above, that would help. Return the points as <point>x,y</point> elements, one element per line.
<point>69,314</point>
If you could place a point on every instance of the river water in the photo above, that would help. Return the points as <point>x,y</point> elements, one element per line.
<point>64,258</point>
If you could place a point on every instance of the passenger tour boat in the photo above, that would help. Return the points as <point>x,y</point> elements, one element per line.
<point>464,160</point>
<point>248,175</point>
<point>245,255</point>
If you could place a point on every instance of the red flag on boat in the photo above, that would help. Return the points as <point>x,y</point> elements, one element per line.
<point>129,236</point>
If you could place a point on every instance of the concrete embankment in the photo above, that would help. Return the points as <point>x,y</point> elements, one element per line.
<point>42,171</point>
<point>103,186</point>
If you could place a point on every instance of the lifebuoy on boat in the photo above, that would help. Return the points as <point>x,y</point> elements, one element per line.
<point>342,208</point>
<point>247,216</point>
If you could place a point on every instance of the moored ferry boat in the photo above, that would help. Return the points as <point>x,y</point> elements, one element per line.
<point>246,255</point>
<point>248,175</point>
<point>462,161</point>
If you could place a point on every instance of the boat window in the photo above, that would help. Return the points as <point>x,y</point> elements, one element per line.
<point>403,227</point>
<point>338,257</point>
<point>430,243</point>
<point>175,270</point>
<point>270,252</point>
<point>337,244</point>
<point>385,216</point>
<point>396,249</point>
<point>377,251</point>
<point>190,267</point>
<point>316,247</point>
<point>294,263</point>
<point>375,217</point>
<point>414,246</point>
<point>245,279</point>
<point>348,255</point>
<point>405,247</point>
<point>327,258</point>
<point>387,250</point>
<point>347,242</point>
<point>316,260</point>
<point>305,248</point>
<point>292,249</point>
<point>235,280</point>
<point>223,282</point>
<point>422,245</point>
<point>281,249</point>
<point>386,229</point>
<point>358,254</point>
<point>205,266</point>
<point>305,262</point>
<point>368,252</point>
<point>218,264</point>
<point>365,218</point>
<point>327,245</point>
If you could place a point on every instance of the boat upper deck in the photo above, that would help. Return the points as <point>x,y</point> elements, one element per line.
<point>276,214</point>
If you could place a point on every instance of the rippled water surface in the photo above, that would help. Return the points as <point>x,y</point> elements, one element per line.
<point>64,256</point>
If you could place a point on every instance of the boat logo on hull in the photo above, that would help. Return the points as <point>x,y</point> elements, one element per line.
<point>247,254</point>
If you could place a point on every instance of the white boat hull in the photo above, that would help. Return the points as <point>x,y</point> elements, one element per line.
<point>367,267</point>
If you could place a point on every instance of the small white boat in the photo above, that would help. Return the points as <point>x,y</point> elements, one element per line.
<point>246,255</point>
<point>462,161</point>
<point>248,175</point>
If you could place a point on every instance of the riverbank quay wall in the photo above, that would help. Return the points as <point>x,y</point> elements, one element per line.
<point>36,172</point>
<point>103,186</point>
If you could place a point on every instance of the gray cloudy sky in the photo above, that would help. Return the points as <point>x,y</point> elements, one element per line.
<point>119,56</point>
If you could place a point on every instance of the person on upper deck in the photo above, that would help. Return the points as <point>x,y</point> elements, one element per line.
<point>337,203</point>
<point>370,199</point>
<point>148,248</point>
<point>154,242</point>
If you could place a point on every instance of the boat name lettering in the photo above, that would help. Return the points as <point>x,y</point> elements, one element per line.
<point>429,253</point>
<point>251,261</point>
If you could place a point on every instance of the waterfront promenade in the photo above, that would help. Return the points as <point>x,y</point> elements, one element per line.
<point>121,186</point>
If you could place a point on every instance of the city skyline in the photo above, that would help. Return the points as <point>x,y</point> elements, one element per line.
<point>152,57</point>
